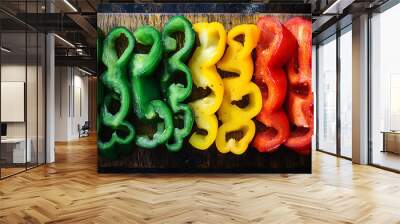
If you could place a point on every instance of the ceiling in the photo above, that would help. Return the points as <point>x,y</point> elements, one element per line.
<point>75,21</point>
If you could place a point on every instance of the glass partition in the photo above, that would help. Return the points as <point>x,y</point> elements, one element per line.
<point>22,92</point>
<point>31,98</point>
<point>14,153</point>
<point>41,96</point>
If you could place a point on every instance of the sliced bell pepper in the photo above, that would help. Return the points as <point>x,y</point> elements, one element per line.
<point>174,66</point>
<point>115,80</point>
<point>212,37</point>
<point>275,134</point>
<point>274,50</point>
<point>148,104</point>
<point>300,103</point>
<point>300,108</point>
<point>237,59</point>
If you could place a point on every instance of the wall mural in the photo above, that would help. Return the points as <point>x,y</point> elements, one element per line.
<point>204,91</point>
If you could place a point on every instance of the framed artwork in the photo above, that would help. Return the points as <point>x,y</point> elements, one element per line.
<point>204,87</point>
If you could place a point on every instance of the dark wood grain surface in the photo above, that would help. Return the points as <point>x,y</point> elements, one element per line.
<point>190,159</point>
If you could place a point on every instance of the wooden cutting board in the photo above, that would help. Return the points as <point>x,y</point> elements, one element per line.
<point>190,159</point>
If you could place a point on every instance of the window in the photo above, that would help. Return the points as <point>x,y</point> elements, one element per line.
<point>346,92</point>
<point>385,89</point>
<point>327,96</point>
<point>314,89</point>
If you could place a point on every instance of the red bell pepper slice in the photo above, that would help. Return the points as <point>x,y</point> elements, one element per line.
<point>276,133</point>
<point>300,112</point>
<point>300,103</point>
<point>275,48</point>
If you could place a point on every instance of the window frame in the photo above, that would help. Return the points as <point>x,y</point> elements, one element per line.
<point>381,9</point>
<point>334,37</point>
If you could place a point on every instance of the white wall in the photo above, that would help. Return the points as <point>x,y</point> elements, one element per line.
<point>62,82</point>
<point>70,83</point>
<point>33,127</point>
<point>12,73</point>
<point>80,88</point>
<point>16,73</point>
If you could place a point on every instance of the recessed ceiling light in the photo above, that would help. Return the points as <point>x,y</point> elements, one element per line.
<point>70,5</point>
<point>84,71</point>
<point>64,40</point>
<point>5,50</point>
<point>338,6</point>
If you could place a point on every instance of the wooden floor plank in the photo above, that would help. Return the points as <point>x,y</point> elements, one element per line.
<point>71,191</point>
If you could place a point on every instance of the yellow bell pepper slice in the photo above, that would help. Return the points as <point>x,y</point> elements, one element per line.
<point>212,37</point>
<point>237,119</point>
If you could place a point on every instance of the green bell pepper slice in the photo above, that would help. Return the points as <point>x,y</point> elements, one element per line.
<point>114,81</point>
<point>148,104</point>
<point>174,66</point>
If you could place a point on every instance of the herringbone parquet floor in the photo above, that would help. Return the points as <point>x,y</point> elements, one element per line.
<point>71,191</point>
